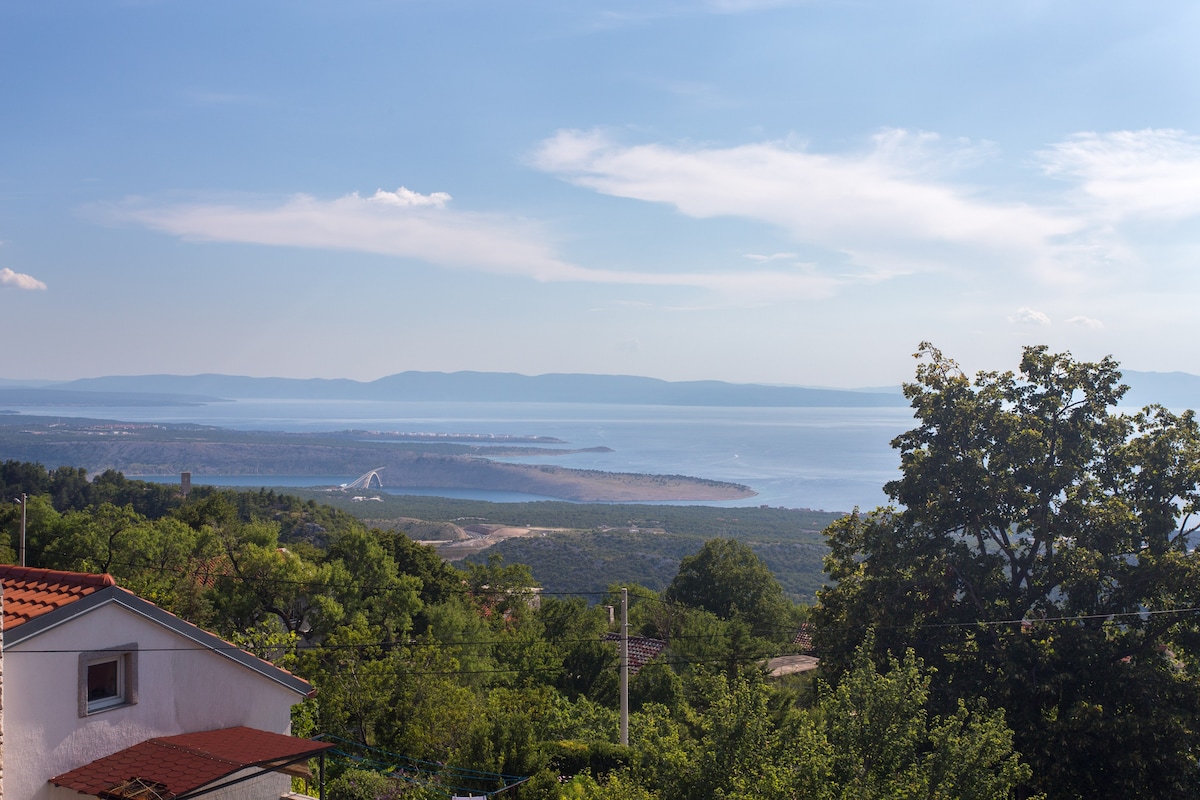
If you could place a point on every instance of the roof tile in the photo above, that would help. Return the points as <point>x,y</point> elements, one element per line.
<point>642,650</point>
<point>31,592</point>
<point>188,761</point>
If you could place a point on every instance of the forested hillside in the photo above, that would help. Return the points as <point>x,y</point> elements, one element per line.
<point>434,680</point>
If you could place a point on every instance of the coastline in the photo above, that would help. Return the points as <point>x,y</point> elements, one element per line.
<point>168,450</point>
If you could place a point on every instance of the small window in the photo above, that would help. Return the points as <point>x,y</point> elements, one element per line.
<point>105,683</point>
<point>107,679</point>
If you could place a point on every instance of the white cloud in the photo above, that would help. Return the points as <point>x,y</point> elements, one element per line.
<point>866,205</point>
<point>19,280</point>
<point>1085,322</point>
<point>896,207</point>
<point>1147,173</point>
<point>1029,316</point>
<point>408,198</point>
<point>421,227</point>
<point>401,223</point>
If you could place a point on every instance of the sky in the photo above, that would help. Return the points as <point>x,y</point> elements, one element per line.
<point>752,191</point>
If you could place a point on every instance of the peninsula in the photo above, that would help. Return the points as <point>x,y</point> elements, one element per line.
<point>137,448</point>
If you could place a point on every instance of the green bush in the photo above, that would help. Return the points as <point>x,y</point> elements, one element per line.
<point>359,784</point>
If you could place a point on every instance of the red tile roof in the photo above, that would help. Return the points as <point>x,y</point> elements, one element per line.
<point>188,761</point>
<point>642,650</point>
<point>30,592</point>
<point>803,638</point>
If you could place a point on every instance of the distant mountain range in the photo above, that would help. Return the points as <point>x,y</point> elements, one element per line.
<point>1175,390</point>
<point>442,386</point>
<point>1172,389</point>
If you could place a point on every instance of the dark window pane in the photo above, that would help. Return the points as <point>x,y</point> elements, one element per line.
<point>103,680</point>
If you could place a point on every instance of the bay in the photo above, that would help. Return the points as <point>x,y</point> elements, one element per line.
<point>832,459</point>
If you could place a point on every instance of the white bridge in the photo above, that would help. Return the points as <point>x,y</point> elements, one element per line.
<point>364,481</point>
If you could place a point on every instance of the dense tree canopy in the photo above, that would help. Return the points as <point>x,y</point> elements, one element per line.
<point>434,680</point>
<point>1040,557</point>
<point>727,579</point>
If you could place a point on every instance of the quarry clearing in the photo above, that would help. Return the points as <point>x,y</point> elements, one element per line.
<point>479,536</point>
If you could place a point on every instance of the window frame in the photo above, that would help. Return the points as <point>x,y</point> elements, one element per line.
<point>125,657</point>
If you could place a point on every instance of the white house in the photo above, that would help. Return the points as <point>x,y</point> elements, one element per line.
<point>106,695</point>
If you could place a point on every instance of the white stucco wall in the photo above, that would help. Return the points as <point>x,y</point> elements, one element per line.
<point>181,689</point>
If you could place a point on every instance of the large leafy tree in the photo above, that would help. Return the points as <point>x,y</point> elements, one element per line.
<point>1039,556</point>
<point>729,580</point>
<point>872,737</point>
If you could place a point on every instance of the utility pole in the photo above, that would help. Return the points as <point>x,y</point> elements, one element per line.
<point>24,501</point>
<point>625,666</point>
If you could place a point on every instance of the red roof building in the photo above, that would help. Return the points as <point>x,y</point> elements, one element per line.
<point>642,650</point>
<point>108,695</point>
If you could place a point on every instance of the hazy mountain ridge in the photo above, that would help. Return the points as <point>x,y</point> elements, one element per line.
<point>491,386</point>
<point>1175,390</point>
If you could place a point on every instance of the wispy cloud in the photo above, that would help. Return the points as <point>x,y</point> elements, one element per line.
<point>1085,322</point>
<point>866,205</point>
<point>402,223</point>
<point>1147,173</point>
<point>900,206</point>
<point>423,227</point>
<point>896,206</point>
<point>19,280</point>
<point>1029,316</point>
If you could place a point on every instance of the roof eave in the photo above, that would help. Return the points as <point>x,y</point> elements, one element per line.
<point>151,612</point>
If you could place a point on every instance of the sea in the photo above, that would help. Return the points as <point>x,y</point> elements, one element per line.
<point>832,459</point>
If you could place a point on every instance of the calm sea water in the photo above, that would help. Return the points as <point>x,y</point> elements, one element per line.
<point>824,458</point>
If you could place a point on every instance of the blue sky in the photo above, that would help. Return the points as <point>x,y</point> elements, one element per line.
<point>741,190</point>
